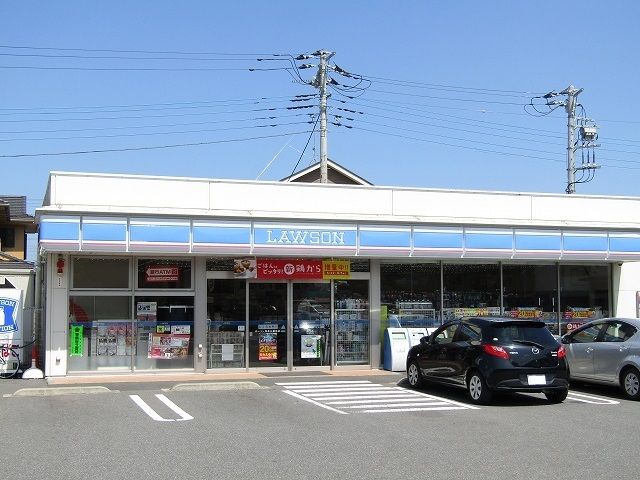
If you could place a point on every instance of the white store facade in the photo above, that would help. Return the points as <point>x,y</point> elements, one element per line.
<point>148,274</point>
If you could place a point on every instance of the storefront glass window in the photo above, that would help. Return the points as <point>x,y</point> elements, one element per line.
<point>410,294</point>
<point>352,321</point>
<point>164,332</point>
<point>100,333</point>
<point>471,289</point>
<point>164,273</point>
<point>584,294</point>
<point>226,318</point>
<point>530,291</point>
<point>90,272</point>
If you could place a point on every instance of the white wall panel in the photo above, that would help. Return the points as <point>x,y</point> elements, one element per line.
<point>482,207</point>
<point>328,201</point>
<point>142,192</point>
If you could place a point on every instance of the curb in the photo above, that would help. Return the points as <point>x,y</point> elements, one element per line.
<point>46,392</point>
<point>190,387</point>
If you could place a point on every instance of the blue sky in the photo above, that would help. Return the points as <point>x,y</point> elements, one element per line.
<point>444,107</point>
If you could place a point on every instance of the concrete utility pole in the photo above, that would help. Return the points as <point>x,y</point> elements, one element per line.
<point>320,82</point>
<point>570,106</point>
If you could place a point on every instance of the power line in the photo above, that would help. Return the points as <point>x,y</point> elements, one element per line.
<point>153,52</point>
<point>271,109</point>
<point>146,69</point>
<point>194,104</point>
<point>140,134</point>
<point>156,147</point>
<point>162,125</point>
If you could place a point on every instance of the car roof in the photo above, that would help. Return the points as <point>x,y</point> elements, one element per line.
<point>494,320</point>
<point>632,321</point>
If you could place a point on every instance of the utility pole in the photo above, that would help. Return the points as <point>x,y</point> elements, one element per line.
<point>586,142</point>
<point>570,106</point>
<point>320,82</point>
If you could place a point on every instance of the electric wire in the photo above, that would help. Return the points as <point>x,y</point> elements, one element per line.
<point>154,147</point>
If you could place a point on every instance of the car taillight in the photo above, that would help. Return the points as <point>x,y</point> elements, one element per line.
<point>495,351</point>
<point>562,352</point>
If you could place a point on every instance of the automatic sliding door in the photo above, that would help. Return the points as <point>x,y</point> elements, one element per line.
<point>267,325</point>
<point>311,324</point>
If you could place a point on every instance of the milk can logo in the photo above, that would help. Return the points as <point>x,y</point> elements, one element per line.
<point>8,315</point>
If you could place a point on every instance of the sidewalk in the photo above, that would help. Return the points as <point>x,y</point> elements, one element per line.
<point>91,383</point>
<point>207,377</point>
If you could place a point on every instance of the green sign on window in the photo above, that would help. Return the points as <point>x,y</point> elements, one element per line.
<point>76,340</point>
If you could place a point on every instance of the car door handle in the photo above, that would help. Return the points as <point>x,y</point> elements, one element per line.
<point>624,349</point>
<point>589,350</point>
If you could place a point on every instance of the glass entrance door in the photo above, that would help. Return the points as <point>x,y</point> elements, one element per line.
<point>268,325</point>
<point>311,324</point>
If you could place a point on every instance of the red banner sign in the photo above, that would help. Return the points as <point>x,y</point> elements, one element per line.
<point>268,268</point>
<point>158,273</point>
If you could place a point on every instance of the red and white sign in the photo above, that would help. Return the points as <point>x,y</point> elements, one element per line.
<point>268,268</point>
<point>156,273</point>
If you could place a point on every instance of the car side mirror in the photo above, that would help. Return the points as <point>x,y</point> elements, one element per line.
<point>565,339</point>
<point>424,340</point>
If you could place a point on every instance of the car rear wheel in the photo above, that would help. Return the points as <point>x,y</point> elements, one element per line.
<point>631,383</point>
<point>414,376</point>
<point>478,390</point>
<point>556,396</point>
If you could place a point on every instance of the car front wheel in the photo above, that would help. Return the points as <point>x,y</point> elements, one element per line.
<point>556,396</point>
<point>631,383</point>
<point>478,390</point>
<point>414,376</point>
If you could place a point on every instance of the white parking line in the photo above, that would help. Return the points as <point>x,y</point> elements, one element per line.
<point>367,397</point>
<point>591,399</point>
<point>152,413</point>
<point>293,394</point>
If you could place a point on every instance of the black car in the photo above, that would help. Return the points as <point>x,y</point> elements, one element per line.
<point>491,354</point>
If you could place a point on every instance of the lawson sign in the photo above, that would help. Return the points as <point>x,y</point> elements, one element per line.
<point>10,313</point>
<point>305,235</point>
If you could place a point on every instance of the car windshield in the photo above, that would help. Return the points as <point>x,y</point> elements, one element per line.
<point>527,333</point>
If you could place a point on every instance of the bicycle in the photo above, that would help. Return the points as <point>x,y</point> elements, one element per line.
<point>10,360</point>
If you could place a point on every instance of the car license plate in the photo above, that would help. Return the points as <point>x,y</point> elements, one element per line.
<point>536,380</point>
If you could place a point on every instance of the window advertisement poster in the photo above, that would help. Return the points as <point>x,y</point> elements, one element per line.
<point>268,347</point>
<point>11,316</point>
<point>526,312</point>
<point>580,313</point>
<point>310,346</point>
<point>147,311</point>
<point>168,346</point>
<point>336,269</point>
<point>76,340</point>
<point>107,340</point>
<point>162,273</point>
<point>244,268</point>
<point>294,268</point>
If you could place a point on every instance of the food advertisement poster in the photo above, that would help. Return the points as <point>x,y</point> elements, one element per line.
<point>168,346</point>
<point>268,347</point>
<point>244,268</point>
<point>293,268</point>
<point>526,312</point>
<point>310,346</point>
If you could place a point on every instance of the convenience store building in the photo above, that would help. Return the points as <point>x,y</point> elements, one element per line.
<point>148,274</point>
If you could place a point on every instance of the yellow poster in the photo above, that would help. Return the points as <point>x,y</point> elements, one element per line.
<point>336,269</point>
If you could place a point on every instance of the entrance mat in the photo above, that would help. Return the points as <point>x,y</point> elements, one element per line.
<point>295,374</point>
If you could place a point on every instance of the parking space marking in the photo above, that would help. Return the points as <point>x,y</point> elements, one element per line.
<point>581,397</point>
<point>154,415</point>
<point>367,397</point>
